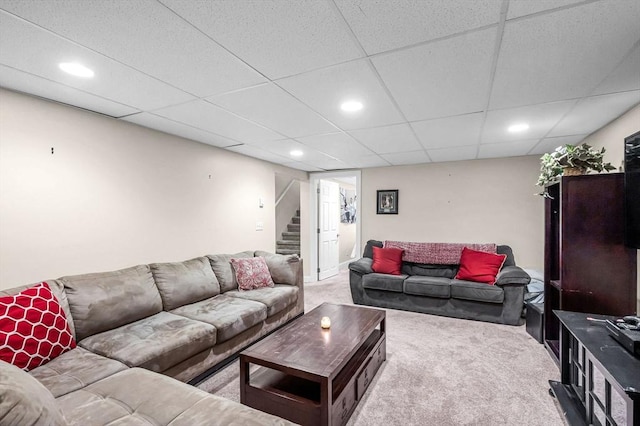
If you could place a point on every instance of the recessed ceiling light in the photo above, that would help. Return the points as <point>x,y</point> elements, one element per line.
<point>351,106</point>
<point>517,128</point>
<point>76,69</point>
<point>296,153</point>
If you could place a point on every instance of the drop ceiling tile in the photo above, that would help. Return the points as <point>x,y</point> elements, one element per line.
<point>550,144</point>
<point>337,145</point>
<point>369,161</point>
<point>208,117</point>
<point>163,124</point>
<point>279,38</point>
<point>326,89</point>
<point>518,8</point>
<point>624,78</point>
<point>303,166</point>
<point>388,139</point>
<point>565,54</point>
<point>540,118</point>
<point>385,25</point>
<point>507,149</point>
<point>594,112</point>
<point>11,78</point>
<point>440,79</point>
<point>459,130</point>
<point>402,158</point>
<point>274,108</point>
<point>147,36</point>
<point>459,153</point>
<point>309,155</point>
<point>38,52</point>
<point>257,152</point>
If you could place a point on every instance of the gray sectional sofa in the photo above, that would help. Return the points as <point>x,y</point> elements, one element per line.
<point>141,328</point>
<point>432,289</point>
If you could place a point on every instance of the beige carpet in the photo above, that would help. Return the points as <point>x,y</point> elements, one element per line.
<point>441,371</point>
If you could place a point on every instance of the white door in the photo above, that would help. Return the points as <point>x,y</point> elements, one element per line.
<point>328,222</point>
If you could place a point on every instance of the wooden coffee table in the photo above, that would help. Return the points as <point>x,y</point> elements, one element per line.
<point>313,376</point>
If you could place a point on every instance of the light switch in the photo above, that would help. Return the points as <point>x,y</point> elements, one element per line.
<point>259,226</point>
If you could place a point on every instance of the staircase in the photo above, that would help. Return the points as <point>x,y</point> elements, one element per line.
<point>290,242</point>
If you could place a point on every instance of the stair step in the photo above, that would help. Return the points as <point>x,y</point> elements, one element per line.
<point>297,212</point>
<point>295,219</point>
<point>293,227</point>
<point>294,243</point>
<point>291,236</point>
<point>287,251</point>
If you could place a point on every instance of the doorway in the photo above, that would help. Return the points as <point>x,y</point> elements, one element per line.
<point>335,225</point>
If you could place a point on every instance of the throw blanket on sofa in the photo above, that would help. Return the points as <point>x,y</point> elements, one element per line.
<point>436,253</point>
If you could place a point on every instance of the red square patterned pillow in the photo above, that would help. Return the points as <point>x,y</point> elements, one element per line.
<point>33,328</point>
<point>479,266</point>
<point>252,273</point>
<point>387,260</point>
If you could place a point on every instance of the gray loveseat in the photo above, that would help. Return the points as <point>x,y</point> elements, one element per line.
<point>139,329</point>
<point>432,289</point>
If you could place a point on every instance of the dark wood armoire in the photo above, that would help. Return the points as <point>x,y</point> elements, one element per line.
<point>587,267</point>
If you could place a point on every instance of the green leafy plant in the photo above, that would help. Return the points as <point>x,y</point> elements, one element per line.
<point>582,157</point>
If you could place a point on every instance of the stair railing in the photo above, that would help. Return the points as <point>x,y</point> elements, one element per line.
<point>285,191</point>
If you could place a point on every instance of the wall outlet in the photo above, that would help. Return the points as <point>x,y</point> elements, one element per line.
<point>259,226</point>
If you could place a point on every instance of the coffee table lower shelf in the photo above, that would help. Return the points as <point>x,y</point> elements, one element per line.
<point>299,399</point>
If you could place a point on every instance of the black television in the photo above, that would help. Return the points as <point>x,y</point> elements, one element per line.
<point>632,190</point>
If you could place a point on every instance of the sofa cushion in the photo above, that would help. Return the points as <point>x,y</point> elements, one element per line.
<point>387,260</point>
<point>24,401</point>
<point>275,298</point>
<point>479,292</point>
<point>479,266</point>
<point>251,273</point>
<point>384,282</point>
<point>229,315</point>
<point>368,248</point>
<point>155,343</point>
<point>74,370</point>
<point>428,286</point>
<point>140,397</point>
<point>33,328</point>
<point>185,282</point>
<point>106,300</point>
<point>283,269</point>
<point>429,270</point>
<point>221,265</point>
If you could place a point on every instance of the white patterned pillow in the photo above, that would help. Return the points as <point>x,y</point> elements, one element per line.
<point>251,273</point>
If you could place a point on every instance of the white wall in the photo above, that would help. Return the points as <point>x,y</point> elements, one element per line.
<point>611,137</point>
<point>474,201</point>
<point>115,194</point>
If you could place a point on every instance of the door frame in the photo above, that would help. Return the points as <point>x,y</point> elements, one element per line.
<point>314,180</point>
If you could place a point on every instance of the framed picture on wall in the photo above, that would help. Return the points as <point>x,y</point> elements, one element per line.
<point>387,201</point>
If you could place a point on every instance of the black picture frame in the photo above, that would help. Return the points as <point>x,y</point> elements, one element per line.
<point>387,201</point>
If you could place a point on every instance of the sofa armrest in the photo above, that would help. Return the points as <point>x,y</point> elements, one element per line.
<point>362,266</point>
<point>512,275</point>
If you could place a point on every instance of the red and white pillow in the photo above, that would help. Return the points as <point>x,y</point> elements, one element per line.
<point>252,273</point>
<point>33,328</point>
<point>480,266</point>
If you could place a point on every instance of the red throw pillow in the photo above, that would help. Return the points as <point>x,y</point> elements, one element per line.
<point>33,328</point>
<point>480,266</point>
<point>387,260</point>
<point>252,273</point>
